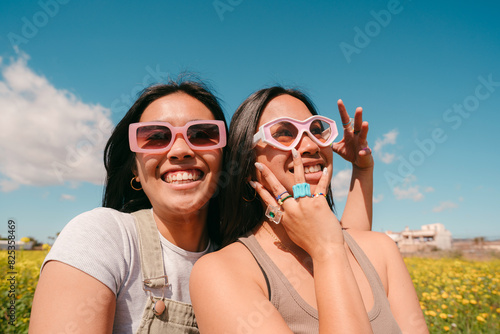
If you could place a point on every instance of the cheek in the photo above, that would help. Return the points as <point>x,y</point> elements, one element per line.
<point>327,155</point>
<point>146,165</point>
<point>214,160</point>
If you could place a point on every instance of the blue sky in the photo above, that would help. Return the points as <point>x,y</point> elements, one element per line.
<point>426,73</point>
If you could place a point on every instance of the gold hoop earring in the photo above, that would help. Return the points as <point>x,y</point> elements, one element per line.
<point>132,184</point>
<point>254,195</point>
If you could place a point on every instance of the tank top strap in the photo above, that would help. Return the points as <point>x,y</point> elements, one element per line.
<point>260,257</point>
<point>371,274</point>
<point>275,279</point>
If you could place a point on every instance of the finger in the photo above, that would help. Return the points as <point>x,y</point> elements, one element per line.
<point>323,182</point>
<point>358,119</point>
<point>336,147</point>
<point>365,150</point>
<point>275,187</point>
<point>264,194</point>
<point>298,167</point>
<point>347,122</point>
<point>363,133</point>
<point>344,116</point>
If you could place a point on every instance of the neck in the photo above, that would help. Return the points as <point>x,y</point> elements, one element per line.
<point>187,231</point>
<point>278,236</point>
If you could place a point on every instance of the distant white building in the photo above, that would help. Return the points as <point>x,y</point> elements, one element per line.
<point>4,245</point>
<point>430,235</point>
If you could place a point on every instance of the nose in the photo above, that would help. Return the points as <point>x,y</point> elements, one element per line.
<point>180,149</point>
<point>307,145</point>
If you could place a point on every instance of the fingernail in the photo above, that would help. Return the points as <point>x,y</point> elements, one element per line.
<point>325,170</point>
<point>258,165</point>
<point>252,184</point>
<point>295,154</point>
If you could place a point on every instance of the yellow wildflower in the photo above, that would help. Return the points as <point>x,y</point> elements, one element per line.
<point>25,239</point>
<point>480,319</point>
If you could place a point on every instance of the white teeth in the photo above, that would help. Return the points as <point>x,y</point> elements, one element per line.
<point>181,176</point>
<point>312,169</point>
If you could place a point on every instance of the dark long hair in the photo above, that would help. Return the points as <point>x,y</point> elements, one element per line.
<point>120,161</point>
<point>241,210</point>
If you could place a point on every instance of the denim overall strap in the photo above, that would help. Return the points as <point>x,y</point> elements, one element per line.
<point>178,317</point>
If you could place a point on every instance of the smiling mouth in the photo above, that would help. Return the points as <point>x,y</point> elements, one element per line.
<point>310,169</point>
<point>182,176</point>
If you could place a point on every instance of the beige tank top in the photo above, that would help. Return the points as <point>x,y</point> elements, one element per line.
<point>301,317</point>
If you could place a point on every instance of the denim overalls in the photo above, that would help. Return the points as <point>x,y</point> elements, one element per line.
<point>177,317</point>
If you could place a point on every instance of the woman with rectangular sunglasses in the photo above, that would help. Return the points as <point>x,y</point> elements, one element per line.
<point>125,268</point>
<point>294,267</point>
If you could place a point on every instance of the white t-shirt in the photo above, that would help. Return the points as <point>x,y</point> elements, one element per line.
<point>104,244</point>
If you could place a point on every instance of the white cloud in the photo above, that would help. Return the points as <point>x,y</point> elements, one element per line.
<point>47,135</point>
<point>408,190</point>
<point>447,205</point>
<point>378,198</point>
<point>67,197</point>
<point>389,138</point>
<point>412,193</point>
<point>386,158</point>
<point>341,183</point>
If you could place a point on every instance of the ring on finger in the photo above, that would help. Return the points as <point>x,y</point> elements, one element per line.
<point>301,190</point>
<point>318,195</point>
<point>274,213</point>
<point>349,125</point>
<point>281,200</point>
<point>357,132</point>
<point>280,195</point>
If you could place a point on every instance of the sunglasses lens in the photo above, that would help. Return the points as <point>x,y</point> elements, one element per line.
<point>152,137</point>
<point>284,132</point>
<point>203,135</point>
<point>321,130</point>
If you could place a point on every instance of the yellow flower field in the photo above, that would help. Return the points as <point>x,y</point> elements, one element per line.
<point>456,295</point>
<point>25,271</point>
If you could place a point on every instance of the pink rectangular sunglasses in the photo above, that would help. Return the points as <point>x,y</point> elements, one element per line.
<point>284,133</point>
<point>158,137</point>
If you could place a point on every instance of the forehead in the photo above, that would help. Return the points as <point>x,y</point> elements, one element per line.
<point>284,106</point>
<point>177,109</point>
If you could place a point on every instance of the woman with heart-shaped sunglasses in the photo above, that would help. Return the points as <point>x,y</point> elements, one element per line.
<point>296,268</point>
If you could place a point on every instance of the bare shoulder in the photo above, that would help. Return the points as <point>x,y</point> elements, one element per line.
<point>371,239</point>
<point>379,247</point>
<point>231,256</point>
<point>229,266</point>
